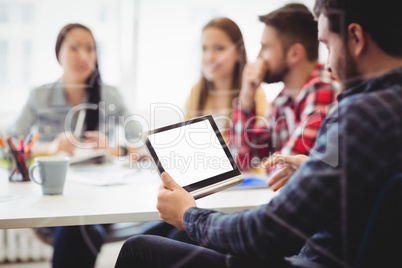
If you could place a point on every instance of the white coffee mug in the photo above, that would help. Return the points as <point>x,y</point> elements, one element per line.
<point>52,173</point>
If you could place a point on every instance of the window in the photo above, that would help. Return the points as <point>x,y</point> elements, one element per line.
<point>150,50</point>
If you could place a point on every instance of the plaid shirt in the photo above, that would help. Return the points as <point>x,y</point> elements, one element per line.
<point>326,204</point>
<point>291,126</point>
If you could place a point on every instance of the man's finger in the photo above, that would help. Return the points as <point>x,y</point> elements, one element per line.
<point>162,188</point>
<point>169,182</point>
<point>278,176</point>
<point>270,161</point>
<point>280,183</point>
<point>296,160</point>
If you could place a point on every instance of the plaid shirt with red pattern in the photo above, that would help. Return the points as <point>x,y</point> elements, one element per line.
<point>290,128</point>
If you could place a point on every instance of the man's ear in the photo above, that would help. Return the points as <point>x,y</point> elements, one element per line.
<point>357,39</point>
<point>295,53</point>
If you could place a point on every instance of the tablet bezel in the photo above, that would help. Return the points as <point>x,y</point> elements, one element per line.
<point>206,182</point>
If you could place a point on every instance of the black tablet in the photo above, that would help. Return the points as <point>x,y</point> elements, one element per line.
<point>195,155</point>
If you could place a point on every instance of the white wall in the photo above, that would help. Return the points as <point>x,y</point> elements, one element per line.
<point>149,49</point>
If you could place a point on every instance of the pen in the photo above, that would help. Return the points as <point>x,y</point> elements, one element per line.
<point>21,144</point>
<point>28,139</point>
<point>11,144</point>
<point>16,158</point>
<point>35,137</point>
<point>33,140</point>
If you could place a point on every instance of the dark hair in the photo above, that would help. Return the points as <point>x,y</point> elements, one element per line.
<point>382,20</point>
<point>93,83</point>
<point>295,24</point>
<point>233,31</point>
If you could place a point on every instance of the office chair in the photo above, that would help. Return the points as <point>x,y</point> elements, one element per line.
<point>382,241</point>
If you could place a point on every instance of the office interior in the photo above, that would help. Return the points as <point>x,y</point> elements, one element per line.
<point>149,49</point>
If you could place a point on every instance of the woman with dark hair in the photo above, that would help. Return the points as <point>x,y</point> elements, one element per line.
<point>223,60</point>
<point>53,109</point>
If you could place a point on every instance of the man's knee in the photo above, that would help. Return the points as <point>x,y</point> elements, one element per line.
<point>136,243</point>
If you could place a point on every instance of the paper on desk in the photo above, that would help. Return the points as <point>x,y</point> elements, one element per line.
<point>84,154</point>
<point>100,175</point>
<point>5,198</point>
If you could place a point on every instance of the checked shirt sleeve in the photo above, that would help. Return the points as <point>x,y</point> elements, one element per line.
<point>248,138</point>
<point>310,201</point>
<point>277,229</point>
<point>317,102</point>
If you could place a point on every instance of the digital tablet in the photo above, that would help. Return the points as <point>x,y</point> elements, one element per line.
<point>195,155</point>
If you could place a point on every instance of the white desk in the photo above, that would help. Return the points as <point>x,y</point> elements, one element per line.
<point>87,204</point>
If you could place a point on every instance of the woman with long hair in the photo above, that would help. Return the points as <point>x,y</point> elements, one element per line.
<point>223,59</point>
<point>51,111</point>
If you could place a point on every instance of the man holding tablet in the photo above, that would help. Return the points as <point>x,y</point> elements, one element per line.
<point>322,211</point>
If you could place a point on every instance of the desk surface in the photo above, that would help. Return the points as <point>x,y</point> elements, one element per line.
<point>23,205</point>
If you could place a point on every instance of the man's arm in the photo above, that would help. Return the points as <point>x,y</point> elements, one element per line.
<point>278,228</point>
<point>312,200</point>
<point>269,232</point>
<point>247,139</point>
<point>314,109</point>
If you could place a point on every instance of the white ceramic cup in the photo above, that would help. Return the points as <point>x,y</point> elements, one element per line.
<point>52,173</point>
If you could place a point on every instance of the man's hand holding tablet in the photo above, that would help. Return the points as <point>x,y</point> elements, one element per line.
<point>173,201</point>
<point>195,154</point>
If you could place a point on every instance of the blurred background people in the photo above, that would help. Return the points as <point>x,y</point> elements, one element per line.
<point>49,110</point>
<point>223,60</point>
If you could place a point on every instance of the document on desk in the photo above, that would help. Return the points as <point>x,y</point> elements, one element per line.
<point>5,198</point>
<point>86,154</point>
<point>107,175</point>
<point>99,175</point>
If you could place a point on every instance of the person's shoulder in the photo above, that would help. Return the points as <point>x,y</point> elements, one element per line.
<point>196,88</point>
<point>41,94</point>
<point>375,99</point>
<point>321,79</point>
<point>381,106</point>
<point>260,92</point>
<point>108,88</point>
<point>45,88</point>
<point>109,92</point>
<point>194,93</point>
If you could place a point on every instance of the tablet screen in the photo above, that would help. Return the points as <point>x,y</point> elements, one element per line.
<point>191,153</point>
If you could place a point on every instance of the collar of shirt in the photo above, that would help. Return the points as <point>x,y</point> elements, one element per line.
<point>377,83</point>
<point>58,99</point>
<point>285,99</point>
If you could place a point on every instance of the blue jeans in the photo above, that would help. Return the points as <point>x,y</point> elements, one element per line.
<point>155,251</point>
<point>162,228</point>
<point>77,246</point>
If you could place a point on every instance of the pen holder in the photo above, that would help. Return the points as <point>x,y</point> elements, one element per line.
<point>18,163</point>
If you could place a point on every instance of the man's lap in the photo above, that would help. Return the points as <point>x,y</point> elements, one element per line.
<point>156,251</point>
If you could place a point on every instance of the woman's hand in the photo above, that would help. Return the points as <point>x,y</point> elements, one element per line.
<point>289,163</point>
<point>63,143</point>
<point>95,140</point>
